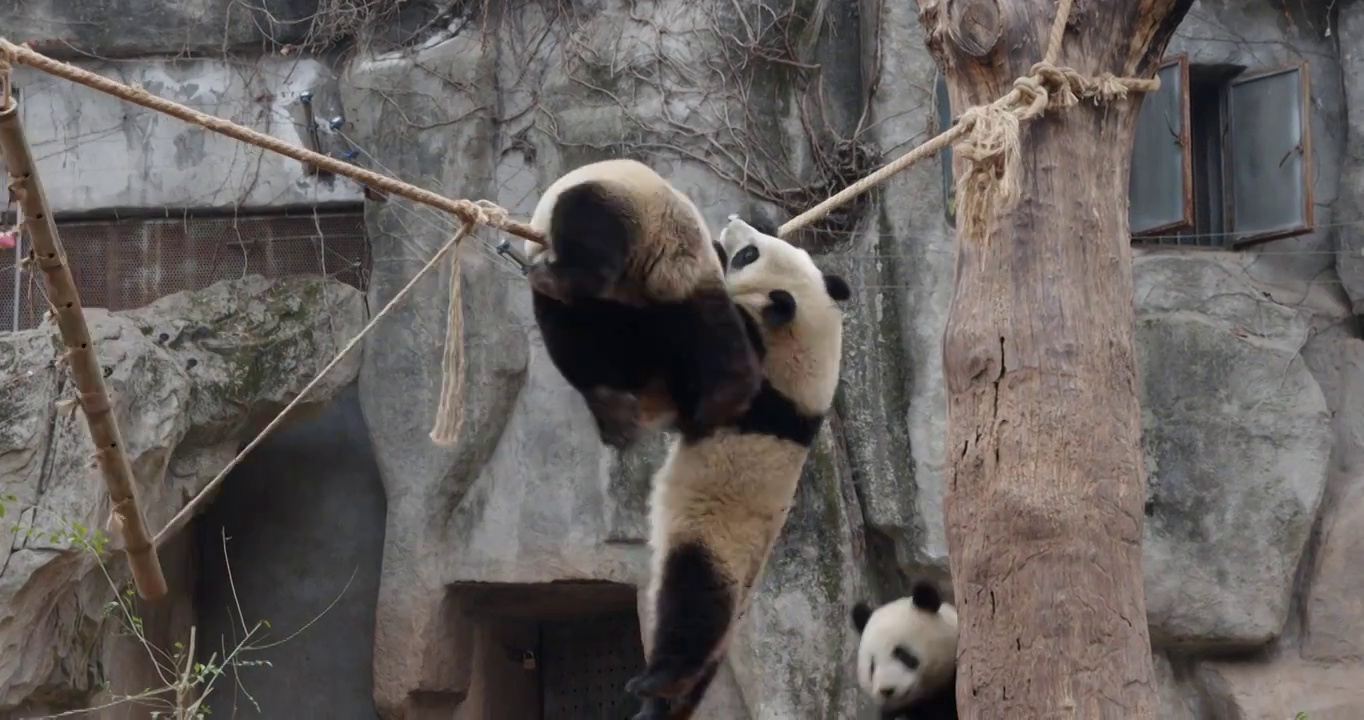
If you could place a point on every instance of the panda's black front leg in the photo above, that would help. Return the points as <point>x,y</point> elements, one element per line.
<point>617,416</point>
<point>714,370</point>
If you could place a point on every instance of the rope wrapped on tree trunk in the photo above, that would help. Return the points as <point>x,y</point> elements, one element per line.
<point>987,136</point>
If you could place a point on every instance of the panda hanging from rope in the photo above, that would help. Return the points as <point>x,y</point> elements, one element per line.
<point>626,301</point>
<point>630,299</point>
<point>719,502</point>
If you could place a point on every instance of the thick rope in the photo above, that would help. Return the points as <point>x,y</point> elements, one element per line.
<point>450,411</point>
<point>10,52</point>
<point>1058,32</point>
<point>988,136</point>
<point>183,517</point>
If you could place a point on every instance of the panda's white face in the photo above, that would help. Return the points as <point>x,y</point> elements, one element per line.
<point>908,647</point>
<point>798,307</point>
<point>755,260</point>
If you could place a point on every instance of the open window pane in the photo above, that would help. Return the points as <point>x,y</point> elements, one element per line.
<point>1270,140</point>
<point>949,189</point>
<point>1160,184</point>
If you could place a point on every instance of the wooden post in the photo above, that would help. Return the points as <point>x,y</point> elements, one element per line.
<point>1045,491</point>
<point>80,356</point>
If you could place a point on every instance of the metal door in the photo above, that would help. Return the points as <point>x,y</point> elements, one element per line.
<point>586,662</point>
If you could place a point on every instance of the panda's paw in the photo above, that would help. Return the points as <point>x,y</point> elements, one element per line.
<point>658,682</point>
<point>652,709</point>
<point>723,406</point>
<point>545,281</point>
<point>617,416</point>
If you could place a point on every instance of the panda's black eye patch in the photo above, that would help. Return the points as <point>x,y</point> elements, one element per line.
<point>905,657</point>
<point>747,256</point>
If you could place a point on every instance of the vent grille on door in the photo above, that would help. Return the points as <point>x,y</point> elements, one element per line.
<point>586,662</point>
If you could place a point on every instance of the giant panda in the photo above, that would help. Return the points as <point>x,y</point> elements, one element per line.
<point>630,297</point>
<point>719,503</point>
<point>907,655</point>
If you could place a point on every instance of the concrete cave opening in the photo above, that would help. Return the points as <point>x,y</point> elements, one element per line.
<point>295,538</point>
<point>548,651</point>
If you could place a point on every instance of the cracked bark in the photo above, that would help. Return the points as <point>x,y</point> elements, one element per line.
<point>1046,482</point>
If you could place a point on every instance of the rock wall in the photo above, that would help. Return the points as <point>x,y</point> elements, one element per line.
<point>1251,360</point>
<point>190,376</point>
<point>98,153</point>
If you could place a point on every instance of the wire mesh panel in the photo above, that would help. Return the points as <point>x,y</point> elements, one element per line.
<point>125,264</point>
<point>586,663</point>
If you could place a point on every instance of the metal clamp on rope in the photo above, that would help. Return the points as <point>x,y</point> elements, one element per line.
<point>505,249</point>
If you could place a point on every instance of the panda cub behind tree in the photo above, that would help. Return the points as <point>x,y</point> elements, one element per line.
<point>907,655</point>
<point>630,299</point>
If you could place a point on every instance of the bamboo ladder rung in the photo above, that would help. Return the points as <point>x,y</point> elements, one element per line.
<point>80,355</point>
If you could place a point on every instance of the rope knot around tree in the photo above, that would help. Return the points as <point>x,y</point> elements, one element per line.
<point>991,141</point>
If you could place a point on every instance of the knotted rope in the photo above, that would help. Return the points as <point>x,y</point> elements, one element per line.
<point>450,411</point>
<point>988,137</point>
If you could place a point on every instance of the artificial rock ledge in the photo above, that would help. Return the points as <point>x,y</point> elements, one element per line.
<point>191,377</point>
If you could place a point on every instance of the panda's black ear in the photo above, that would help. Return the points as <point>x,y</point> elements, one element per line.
<point>837,287</point>
<point>720,251</point>
<point>926,597</point>
<point>781,310</point>
<point>861,613</point>
<point>762,222</point>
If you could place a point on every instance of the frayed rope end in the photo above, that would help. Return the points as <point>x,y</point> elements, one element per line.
<point>450,412</point>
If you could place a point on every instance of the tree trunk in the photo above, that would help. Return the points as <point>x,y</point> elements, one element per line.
<point>1045,494</point>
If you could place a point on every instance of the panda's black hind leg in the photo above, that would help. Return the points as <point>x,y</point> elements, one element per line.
<point>694,605</point>
<point>684,707</point>
<point>654,708</point>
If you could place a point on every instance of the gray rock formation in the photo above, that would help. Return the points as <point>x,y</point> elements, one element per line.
<point>1237,438</point>
<point>190,376</point>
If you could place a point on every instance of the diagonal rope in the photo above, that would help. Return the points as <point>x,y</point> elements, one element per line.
<point>183,517</point>
<point>988,137</point>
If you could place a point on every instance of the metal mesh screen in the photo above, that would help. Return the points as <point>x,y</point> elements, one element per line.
<point>125,264</point>
<point>587,661</point>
